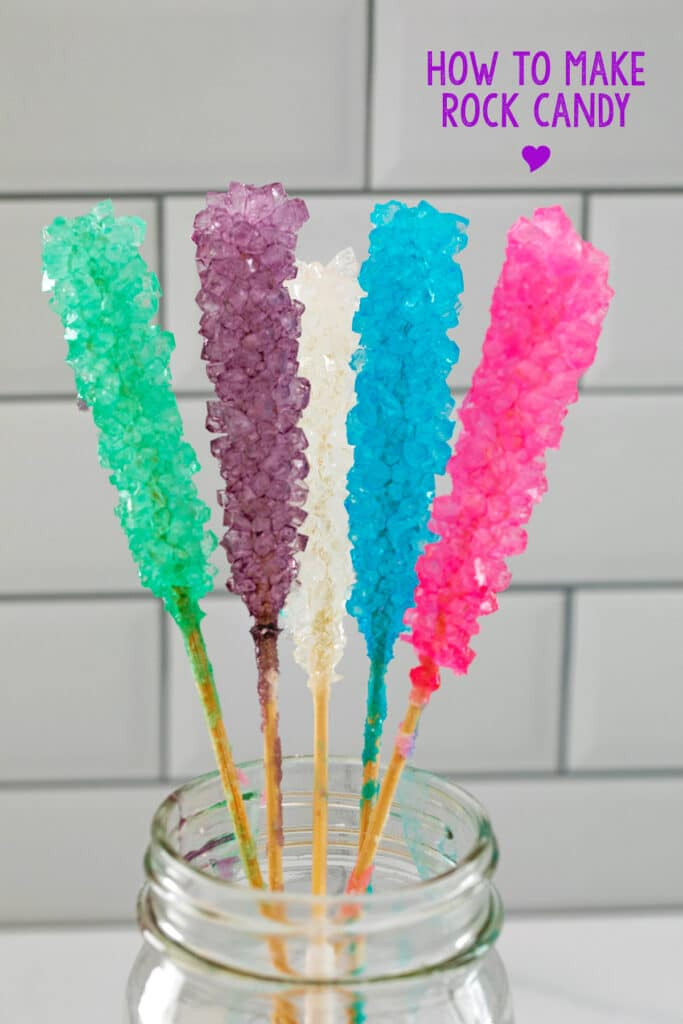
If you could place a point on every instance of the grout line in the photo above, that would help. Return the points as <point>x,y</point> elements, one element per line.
<point>606,585</point>
<point>585,199</point>
<point>69,785</point>
<point>671,773</point>
<point>48,396</point>
<point>618,391</point>
<point>609,775</point>
<point>220,594</point>
<point>369,94</point>
<point>70,396</point>
<point>87,195</point>
<point>78,924</point>
<point>633,910</point>
<point>587,223</point>
<point>484,190</point>
<point>79,595</point>
<point>565,684</point>
<point>161,259</point>
<point>357,190</point>
<point>626,390</point>
<point>164,706</point>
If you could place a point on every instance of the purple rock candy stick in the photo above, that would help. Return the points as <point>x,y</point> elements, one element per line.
<point>245,242</point>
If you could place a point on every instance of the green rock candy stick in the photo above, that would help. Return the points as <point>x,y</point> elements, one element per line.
<point>106,297</point>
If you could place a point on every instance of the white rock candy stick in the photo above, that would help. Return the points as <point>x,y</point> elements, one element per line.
<point>316,606</point>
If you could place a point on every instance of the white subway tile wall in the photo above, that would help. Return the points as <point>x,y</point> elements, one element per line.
<point>159,95</point>
<point>86,689</point>
<point>74,854</point>
<point>626,678</point>
<point>587,842</point>
<point>568,726</point>
<point>59,534</point>
<point>639,348</point>
<point>612,511</point>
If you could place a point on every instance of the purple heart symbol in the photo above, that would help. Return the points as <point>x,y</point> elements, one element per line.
<point>536,156</point>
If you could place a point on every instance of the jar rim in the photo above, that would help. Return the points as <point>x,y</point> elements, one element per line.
<point>477,861</point>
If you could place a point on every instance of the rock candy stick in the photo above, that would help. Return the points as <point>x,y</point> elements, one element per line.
<point>316,605</point>
<point>106,298</point>
<point>400,427</point>
<point>245,241</point>
<point>546,316</point>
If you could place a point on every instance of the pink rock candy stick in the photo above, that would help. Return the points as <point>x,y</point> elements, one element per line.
<point>546,315</point>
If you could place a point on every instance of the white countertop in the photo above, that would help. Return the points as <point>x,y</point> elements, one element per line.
<point>568,969</point>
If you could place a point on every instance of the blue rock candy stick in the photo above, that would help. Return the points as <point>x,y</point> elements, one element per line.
<point>400,426</point>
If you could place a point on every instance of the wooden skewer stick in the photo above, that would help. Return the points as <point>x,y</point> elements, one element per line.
<point>203,673</point>
<point>362,872</point>
<point>321,709</point>
<point>284,1012</point>
<point>271,759</point>
<point>265,640</point>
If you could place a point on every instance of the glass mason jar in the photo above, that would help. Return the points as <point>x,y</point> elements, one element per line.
<point>418,947</point>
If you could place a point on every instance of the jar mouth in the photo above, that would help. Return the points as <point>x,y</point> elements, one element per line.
<point>477,861</point>
<point>432,901</point>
